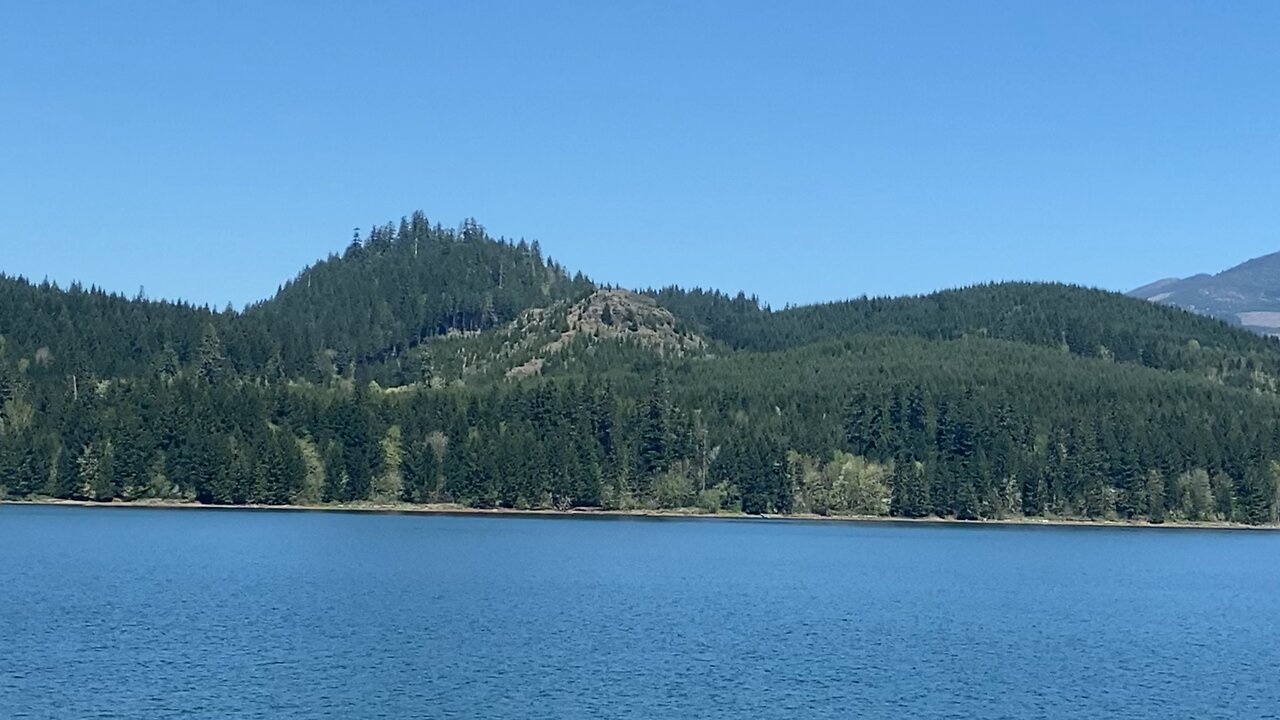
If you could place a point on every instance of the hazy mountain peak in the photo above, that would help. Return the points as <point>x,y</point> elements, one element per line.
<point>1247,294</point>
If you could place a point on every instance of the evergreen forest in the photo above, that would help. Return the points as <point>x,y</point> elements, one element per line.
<point>439,365</point>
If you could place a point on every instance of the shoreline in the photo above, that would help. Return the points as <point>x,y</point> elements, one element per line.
<point>668,514</point>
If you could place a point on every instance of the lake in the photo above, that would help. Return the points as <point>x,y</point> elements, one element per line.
<point>129,613</point>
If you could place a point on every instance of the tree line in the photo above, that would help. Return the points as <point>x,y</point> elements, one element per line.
<point>988,402</point>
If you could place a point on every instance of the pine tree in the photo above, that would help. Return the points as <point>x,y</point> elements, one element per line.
<point>656,436</point>
<point>910,489</point>
<point>420,468</point>
<point>335,474</point>
<point>211,358</point>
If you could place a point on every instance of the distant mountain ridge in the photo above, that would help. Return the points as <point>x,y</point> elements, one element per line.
<point>1247,295</point>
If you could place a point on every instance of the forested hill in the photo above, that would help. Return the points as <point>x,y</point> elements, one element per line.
<point>382,295</point>
<point>403,284</point>
<point>1084,322</point>
<point>432,365</point>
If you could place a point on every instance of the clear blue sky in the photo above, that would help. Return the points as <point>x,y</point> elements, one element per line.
<point>209,150</point>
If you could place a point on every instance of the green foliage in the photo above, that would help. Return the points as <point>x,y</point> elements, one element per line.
<point>421,473</point>
<point>756,466</point>
<point>1085,323</point>
<point>847,484</point>
<point>503,381</point>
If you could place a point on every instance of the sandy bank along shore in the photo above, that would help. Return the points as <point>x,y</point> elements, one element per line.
<point>677,513</point>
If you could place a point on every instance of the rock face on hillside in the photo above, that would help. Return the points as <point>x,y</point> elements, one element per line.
<point>1247,294</point>
<point>604,315</point>
<point>566,332</point>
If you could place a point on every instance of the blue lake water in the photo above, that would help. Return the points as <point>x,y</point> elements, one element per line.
<point>134,613</point>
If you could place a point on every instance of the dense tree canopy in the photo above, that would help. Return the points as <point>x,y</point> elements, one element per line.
<point>431,365</point>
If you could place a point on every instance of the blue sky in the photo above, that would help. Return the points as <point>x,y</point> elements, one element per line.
<point>209,150</point>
